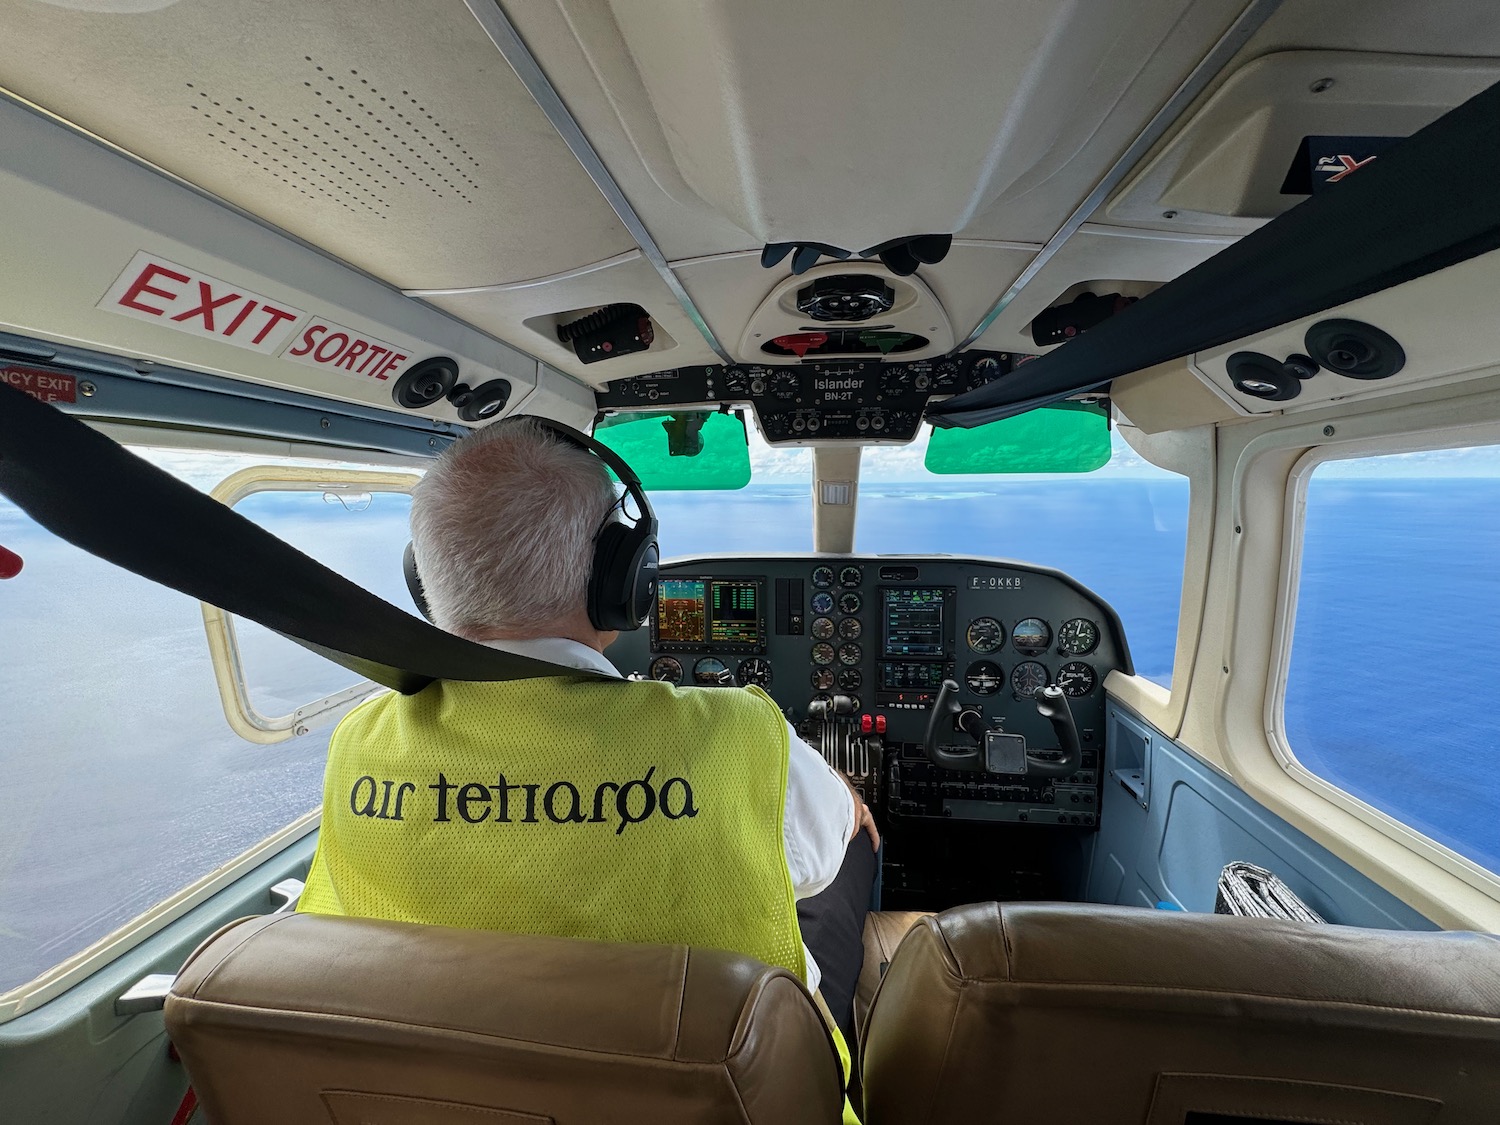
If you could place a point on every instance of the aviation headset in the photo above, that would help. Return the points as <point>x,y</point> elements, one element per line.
<point>622,574</point>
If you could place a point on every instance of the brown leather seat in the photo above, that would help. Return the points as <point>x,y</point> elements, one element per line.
<point>1031,1013</point>
<point>884,930</point>
<point>295,1018</point>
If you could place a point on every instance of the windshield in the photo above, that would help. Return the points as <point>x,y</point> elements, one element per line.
<point>1120,530</point>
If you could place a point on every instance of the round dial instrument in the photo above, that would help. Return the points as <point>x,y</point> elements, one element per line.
<point>822,628</point>
<point>985,634</point>
<point>712,672</point>
<point>822,679</point>
<point>822,577</point>
<point>851,576</point>
<point>984,370</point>
<point>945,375</point>
<point>822,602</point>
<point>849,602</point>
<point>1028,678</point>
<point>894,380</point>
<point>850,679</point>
<point>1077,678</point>
<point>850,628</point>
<point>756,670</point>
<point>1077,637</point>
<point>667,668</point>
<point>984,677</point>
<point>784,384</point>
<point>850,654</point>
<point>1031,636</point>
<point>822,653</point>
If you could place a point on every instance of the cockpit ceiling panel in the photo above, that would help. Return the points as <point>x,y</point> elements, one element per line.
<point>853,125</point>
<point>390,134</point>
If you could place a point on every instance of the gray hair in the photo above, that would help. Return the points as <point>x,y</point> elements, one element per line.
<point>503,526</point>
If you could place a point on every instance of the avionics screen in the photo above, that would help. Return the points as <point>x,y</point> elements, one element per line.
<point>709,614</point>
<point>681,611</point>
<point>911,677</point>
<point>734,613</point>
<point>913,621</point>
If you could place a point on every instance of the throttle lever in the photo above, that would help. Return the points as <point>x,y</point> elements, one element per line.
<point>1052,705</point>
<point>946,705</point>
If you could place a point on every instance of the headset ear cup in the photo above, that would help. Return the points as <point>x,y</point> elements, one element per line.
<point>622,584</point>
<point>414,580</point>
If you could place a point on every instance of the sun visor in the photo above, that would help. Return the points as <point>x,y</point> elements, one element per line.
<point>1426,204</point>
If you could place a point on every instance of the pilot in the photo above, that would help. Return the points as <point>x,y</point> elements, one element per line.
<point>585,806</point>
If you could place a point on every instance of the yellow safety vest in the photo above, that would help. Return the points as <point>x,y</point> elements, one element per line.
<point>617,812</point>
<point>634,813</point>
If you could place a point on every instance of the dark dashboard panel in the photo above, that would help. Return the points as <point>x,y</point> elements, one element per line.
<point>860,400</point>
<point>855,649</point>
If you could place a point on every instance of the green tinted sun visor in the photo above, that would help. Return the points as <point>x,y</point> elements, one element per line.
<point>1069,437</point>
<point>681,451</point>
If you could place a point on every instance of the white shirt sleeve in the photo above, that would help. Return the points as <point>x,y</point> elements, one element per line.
<point>819,819</point>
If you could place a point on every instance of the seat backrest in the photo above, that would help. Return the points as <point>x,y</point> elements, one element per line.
<point>1113,1014</point>
<point>300,1018</point>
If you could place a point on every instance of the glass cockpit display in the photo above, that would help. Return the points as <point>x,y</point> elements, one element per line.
<point>914,622</point>
<point>699,614</point>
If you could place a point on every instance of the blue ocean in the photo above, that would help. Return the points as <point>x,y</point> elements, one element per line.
<point>122,783</point>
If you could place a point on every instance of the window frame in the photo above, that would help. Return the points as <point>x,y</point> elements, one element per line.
<point>244,718</point>
<point>79,967</point>
<point>1284,626</point>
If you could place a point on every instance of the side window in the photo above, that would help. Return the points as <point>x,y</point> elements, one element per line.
<point>120,781</point>
<point>1393,682</point>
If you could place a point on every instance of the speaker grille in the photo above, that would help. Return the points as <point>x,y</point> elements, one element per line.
<point>352,143</point>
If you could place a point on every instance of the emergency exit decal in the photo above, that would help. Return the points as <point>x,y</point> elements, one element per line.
<point>177,297</point>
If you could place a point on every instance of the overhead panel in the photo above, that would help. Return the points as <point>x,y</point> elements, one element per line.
<point>390,134</point>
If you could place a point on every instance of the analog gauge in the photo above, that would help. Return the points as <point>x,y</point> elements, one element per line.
<point>895,381</point>
<point>1077,678</point>
<point>850,679</point>
<point>711,672</point>
<point>984,677</point>
<point>850,654</point>
<point>822,577</point>
<point>945,375</point>
<point>822,628</point>
<point>736,381</point>
<point>849,602</point>
<point>984,370</point>
<point>1077,637</point>
<point>755,671</point>
<point>822,679</point>
<point>1031,636</point>
<point>899,421</point>
<point>822,653</point>
<point>667,668</point>
<point>784,384</point>
<point>854,703</point>
<point>824,698</point>
<point>1028,678</point>
<point>850,629</point>
<point>985,634</point>
<point>851,576</point>
<point>822,602</point>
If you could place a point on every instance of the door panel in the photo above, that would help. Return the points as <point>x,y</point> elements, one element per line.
<point>74,1061</point>
<point>1170,823</point>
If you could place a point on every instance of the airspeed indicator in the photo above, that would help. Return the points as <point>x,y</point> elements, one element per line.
<point>985,634</point>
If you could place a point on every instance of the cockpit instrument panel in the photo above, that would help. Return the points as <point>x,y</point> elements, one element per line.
<point>867,401</point>
<point>856,651</point>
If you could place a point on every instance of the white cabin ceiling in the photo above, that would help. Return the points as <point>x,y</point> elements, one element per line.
<point>396,136</point>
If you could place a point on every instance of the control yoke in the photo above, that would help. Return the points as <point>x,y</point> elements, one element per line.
<point>1051,704</point>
